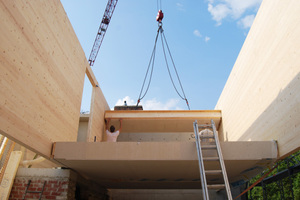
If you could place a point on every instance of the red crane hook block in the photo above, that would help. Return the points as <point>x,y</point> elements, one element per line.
<point>160,16</point>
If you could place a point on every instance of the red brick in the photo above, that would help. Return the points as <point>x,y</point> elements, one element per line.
<point>14,191</point>
<point>28,195</point>
<point>35,185</point>
<point>18,196</point>
<point>46,192</point>
<point>21,188</point>
<point>55,185</point>
<point>18,184</point>
<point>50,197</point>
<point>62,190</point>
<point>39,189</point>
<point>56,193</point>
<point>32,189</point>
<point>53,181</point>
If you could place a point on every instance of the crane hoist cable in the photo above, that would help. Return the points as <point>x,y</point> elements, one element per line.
<point>159,7</point>
<point>151,63</point>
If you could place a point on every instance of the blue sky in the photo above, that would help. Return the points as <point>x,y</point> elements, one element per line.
<point>204,36</point>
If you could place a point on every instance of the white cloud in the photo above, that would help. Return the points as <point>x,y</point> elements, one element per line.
<point>180,7</point>
<point>206,38</point>
<point>238,7</point>
<point>247,21</point>
<point>197,33</point>
<point>128,100</point>
<point>218,12</point>
<point>152,104</point>
<point>220,9</point>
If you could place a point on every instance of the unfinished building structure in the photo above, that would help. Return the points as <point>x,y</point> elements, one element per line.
<point>42,70</point>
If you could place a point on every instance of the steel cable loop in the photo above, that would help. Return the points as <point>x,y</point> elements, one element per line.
<point>151,63</point>
<point>152,58</point>
<point>182,97</point>
<point>150,78</point>
<point>169,69</point>
<point>174,66</point>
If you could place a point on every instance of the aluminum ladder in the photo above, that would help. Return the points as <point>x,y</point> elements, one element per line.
<point>213,145</point>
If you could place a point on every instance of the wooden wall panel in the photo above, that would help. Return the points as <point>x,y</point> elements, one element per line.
<point>42,70</point>
<point>96,124</point>
<point>261,99</point>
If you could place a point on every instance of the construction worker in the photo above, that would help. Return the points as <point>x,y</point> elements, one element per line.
<point>206,132</point>
<point>111,134</point>
<point>160,16</point>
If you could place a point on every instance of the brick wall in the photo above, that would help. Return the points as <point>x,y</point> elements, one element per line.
<point>55,188</point>
<point>60,184</point>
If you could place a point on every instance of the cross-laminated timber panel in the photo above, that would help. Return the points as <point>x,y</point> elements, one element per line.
<point>96,124</point>
<point>261,99</point>
<point>42,69</point>
<point>142,121</point>
<point>160,164</point>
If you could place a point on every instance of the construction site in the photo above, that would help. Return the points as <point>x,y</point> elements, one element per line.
<point>51,150</point>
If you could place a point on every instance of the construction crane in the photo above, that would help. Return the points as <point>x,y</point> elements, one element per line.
<point>110,7</point>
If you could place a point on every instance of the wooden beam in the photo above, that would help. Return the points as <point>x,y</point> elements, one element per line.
<point>163,114</point>
<point>9,174</point>
<point>3,146</point>
<point>161,121</point>
<point>7,157</point>
<point>261,98</point>
<point>90,74</point>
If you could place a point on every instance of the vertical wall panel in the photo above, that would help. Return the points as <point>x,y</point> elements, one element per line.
<point>96,121</point>
<point>42,69</point>
<point>261,99</point>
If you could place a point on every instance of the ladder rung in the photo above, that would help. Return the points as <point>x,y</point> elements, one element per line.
<point>209,147</point>
<point>210,172</point>
<point>207,136</point>
<point>216,187</point>
<point>204,126</point>
<point>211,159</point>
<point>36,192</point>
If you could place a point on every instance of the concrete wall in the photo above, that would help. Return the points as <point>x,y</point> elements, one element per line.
<point>261,99</point>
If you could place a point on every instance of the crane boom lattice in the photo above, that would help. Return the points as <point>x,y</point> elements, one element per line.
<point>110,7</point>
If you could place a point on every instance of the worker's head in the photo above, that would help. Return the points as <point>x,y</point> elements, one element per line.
<point>112,129</point>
